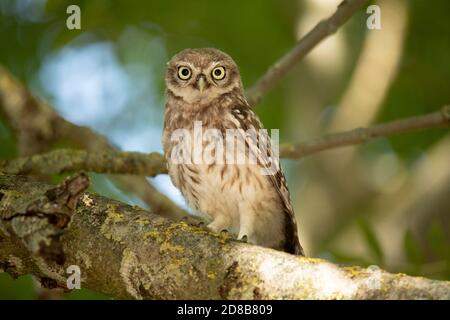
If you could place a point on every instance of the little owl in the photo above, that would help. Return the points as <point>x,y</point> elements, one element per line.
<point>204,87</point>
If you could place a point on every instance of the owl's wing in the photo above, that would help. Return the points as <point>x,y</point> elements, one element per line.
<point>243,117</point>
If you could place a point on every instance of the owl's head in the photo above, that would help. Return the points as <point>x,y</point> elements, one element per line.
<point>202,75</point>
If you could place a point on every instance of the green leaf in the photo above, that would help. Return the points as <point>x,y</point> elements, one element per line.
<point>16,289</point>
<point>437,241</point>
<point>7,143</point>
<point>412,249</point>
<point>344,258</point>
<point>371,239</point>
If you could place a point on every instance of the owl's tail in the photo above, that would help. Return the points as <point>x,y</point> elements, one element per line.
<point>292,243</point>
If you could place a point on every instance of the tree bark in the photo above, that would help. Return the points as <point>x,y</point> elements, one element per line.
<point>61,161</point>
<point>127,252</point>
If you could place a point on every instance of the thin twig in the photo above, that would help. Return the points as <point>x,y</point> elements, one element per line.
<point>322,30</point>
<point>361,135</point>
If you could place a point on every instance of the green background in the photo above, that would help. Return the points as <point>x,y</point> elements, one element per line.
<point>115,64</point>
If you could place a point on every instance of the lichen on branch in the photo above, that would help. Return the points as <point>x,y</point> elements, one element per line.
<point>61,161</point>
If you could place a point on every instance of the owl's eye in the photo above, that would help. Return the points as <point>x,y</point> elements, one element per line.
<point>184,73</point>
<point>218,73</point>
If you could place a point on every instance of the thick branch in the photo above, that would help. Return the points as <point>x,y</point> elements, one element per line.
<point>322,30</point>
<point>127,252</point>
<point>38,128</point>
<point>67,161</point>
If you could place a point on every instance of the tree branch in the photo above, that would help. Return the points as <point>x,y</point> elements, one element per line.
<point>126,252</point>
<point>322,30</point>
<point>437,119</point>
<point>38,128</point>
<point>69,161</point>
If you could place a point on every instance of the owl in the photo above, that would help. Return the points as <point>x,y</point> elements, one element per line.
<point>204,93</point>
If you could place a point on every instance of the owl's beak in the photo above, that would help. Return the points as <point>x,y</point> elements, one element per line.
<point>201,82</point>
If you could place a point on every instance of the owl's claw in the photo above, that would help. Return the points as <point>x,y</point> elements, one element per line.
<point>244,239</point>
<point>193,221</point>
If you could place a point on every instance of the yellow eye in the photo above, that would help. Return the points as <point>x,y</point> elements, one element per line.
<point>218,73</point>
<point>184,73</point>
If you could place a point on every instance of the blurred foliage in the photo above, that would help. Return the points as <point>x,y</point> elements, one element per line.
<point>138,37</point>
<point>23,288</point>
<point>7,143</point>
<point>20,288</point>
<point>422,82</point>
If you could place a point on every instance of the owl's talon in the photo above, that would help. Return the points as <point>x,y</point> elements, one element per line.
<point>244,239</point>
<point>193,221</point>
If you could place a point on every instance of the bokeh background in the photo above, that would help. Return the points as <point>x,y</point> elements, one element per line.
<point>385,203</point>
